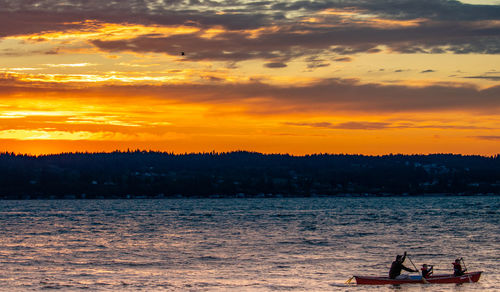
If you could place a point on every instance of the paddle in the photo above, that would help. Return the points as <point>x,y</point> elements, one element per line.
<point>423,278</point>
<point>463,262</point>
<point>416,270</point>
<point>465,269</point>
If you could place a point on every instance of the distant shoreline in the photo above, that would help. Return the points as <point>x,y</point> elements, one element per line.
<point>263,196</point>
<point>142,174</point>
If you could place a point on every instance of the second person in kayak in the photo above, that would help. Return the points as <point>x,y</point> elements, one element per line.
<point>427,270</point>
<point>397,266</point>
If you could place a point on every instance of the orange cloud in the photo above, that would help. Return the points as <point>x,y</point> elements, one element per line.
<point>91,29</point>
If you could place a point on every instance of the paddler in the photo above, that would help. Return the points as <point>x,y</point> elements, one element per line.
<point>457,268</point>
<point>397,266</point>
<point>426,270</point>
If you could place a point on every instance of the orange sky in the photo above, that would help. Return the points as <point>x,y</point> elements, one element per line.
<point>321,80</point>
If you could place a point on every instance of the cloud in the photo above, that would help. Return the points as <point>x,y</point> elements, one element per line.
<point>25,22</point>
<point>31,17</point>
<point>365,125</point>
<point>343,59</point>
<point>346,125</point>
<point>268,30</point>
<point>489,138</point>
<point>327,95</point>
<point>314,62</point>
<point>8,52</point>
<point>303,40</point>
<point>487,77</point>
<point>275,65</point>
<point>448,10</point>
<point>428,71</point>
<point>287,43</point>
<point>153,10</point>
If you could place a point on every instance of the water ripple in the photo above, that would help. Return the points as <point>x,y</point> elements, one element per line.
<point>302,244</point>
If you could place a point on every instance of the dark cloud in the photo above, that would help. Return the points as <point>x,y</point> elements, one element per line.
<point>491,138</point>
<point>427,71</point>
<point>32,22</point>
<point>448,10</point>
<point>227,47</point>
<point>258,12</point>
<point>487,77</point>
<point>31,16</point>
<point>444,26</point>
<point>343,59</point>
<point>364,125</point>
<point>349,95</point>
<point>346,125</point>
<point>314,62</point>
<point>288,43</point>
<point>315,65</point>
<point>353,47</point>
<point>275,65</point>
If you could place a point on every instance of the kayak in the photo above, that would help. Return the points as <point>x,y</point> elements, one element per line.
<point>433,279</point>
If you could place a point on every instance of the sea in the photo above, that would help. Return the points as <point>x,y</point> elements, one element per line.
<point>266,244</point>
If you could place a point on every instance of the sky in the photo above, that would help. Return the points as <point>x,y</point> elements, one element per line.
<point>300,77</point>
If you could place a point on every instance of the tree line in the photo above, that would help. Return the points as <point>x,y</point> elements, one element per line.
<point>149,174</point>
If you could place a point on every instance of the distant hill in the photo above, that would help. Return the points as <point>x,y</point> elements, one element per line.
<point>144,174</point>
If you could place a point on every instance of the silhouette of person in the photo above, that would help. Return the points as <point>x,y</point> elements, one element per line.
<point>426,270</point>
<point>457,268</point>
<point>397,266</point>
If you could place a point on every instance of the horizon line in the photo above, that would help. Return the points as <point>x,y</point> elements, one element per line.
<point>213,152</point>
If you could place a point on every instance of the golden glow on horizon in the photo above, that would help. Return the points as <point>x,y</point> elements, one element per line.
<point>168,126</point>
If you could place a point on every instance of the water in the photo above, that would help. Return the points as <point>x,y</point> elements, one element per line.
<point>306,244</point>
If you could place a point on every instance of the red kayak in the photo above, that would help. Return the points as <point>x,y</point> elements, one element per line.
<point>434,279</point>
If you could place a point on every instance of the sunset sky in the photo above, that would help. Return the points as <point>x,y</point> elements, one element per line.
<point>299,77</point>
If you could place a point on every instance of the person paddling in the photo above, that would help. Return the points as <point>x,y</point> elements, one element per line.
<point>426,270</point>
<point>457,268</point>
<point>397,266</point>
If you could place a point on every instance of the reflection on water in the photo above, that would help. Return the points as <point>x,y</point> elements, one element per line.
<point>313,244</point>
